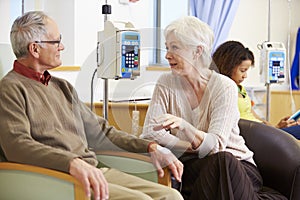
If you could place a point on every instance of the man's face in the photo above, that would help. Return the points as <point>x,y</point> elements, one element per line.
<point>49,55</point>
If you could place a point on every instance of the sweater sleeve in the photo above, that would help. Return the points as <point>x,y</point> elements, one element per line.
<point>160,104</point>
<point>101,136</point>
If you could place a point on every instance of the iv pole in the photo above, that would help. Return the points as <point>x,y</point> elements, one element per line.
<point>106,9</point>
<point>23,6</point>
<point>120,52</point>
<point>268,84</point>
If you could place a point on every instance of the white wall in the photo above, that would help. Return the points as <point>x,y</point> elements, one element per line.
<point>86,40</point>
<point>251,27</point>
<point>80,20</point>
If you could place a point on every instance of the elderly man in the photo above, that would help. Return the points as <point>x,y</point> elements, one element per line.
<point>44,123</point>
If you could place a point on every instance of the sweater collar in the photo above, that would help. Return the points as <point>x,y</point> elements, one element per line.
<point>29,73</point>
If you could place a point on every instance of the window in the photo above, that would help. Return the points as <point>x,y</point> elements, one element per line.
<point>165,11</point>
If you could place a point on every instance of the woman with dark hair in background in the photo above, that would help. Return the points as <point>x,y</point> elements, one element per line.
<point>232,59</point>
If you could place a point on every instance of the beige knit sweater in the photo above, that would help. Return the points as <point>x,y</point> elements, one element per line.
<point>48,126</point>
<point>217,115</point>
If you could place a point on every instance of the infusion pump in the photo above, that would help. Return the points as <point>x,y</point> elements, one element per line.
<point>272,62</point>
<point>118,51</point>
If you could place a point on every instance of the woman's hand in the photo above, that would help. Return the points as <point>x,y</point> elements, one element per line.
<point>168,121</point>
<point>285,122</point>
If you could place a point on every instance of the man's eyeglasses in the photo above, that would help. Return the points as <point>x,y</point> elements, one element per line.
<point>51,41</point>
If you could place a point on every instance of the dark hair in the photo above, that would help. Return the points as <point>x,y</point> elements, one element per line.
<point>229,55</point>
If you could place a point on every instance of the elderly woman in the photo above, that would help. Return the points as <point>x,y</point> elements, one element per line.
<point>194,113</point>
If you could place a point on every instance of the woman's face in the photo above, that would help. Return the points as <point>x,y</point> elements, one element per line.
<point>240,72</point>
<point>181,59</point>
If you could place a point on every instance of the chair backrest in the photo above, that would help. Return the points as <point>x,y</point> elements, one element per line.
<point>277,155</point>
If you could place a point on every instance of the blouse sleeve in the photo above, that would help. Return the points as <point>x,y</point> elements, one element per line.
<point>223,117</point>
<point>159,105</point>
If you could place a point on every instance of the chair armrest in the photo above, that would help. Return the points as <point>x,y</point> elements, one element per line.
<point>20,181</point>
<point>133,163</point>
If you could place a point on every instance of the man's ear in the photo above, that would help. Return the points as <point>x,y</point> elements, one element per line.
<point>34,49</point>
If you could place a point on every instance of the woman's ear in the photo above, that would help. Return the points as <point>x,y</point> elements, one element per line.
<point>34,49</point>
<point>199,50</point>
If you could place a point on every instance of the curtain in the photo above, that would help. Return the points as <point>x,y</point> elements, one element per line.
<point>295,77</point>
<point>218,14</point>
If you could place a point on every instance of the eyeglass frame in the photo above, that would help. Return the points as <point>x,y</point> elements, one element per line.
<point>50,41</point>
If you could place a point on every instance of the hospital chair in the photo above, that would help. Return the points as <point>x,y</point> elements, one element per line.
<point>277,155</point>
<point>26,182</point>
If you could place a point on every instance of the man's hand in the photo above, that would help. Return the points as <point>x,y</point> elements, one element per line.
<point>162,157</point>
<point>90,177</point>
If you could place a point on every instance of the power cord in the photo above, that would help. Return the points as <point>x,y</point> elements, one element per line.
<point>92,90</point>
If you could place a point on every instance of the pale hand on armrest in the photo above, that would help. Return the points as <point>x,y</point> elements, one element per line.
<point>162,157</point>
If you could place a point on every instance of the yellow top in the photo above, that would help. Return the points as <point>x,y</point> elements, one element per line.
<point>245,106</point>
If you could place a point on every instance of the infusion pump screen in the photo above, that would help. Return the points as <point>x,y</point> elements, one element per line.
<point>276,66</point>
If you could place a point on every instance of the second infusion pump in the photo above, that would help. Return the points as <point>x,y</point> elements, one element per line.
<point>118,52</point>
<point>273,62</point>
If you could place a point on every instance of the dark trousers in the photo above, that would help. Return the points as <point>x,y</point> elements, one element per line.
<point>294,131</point>
<point>222,176</point>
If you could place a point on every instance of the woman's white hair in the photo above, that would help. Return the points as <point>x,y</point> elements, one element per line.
<point>191,31</point>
